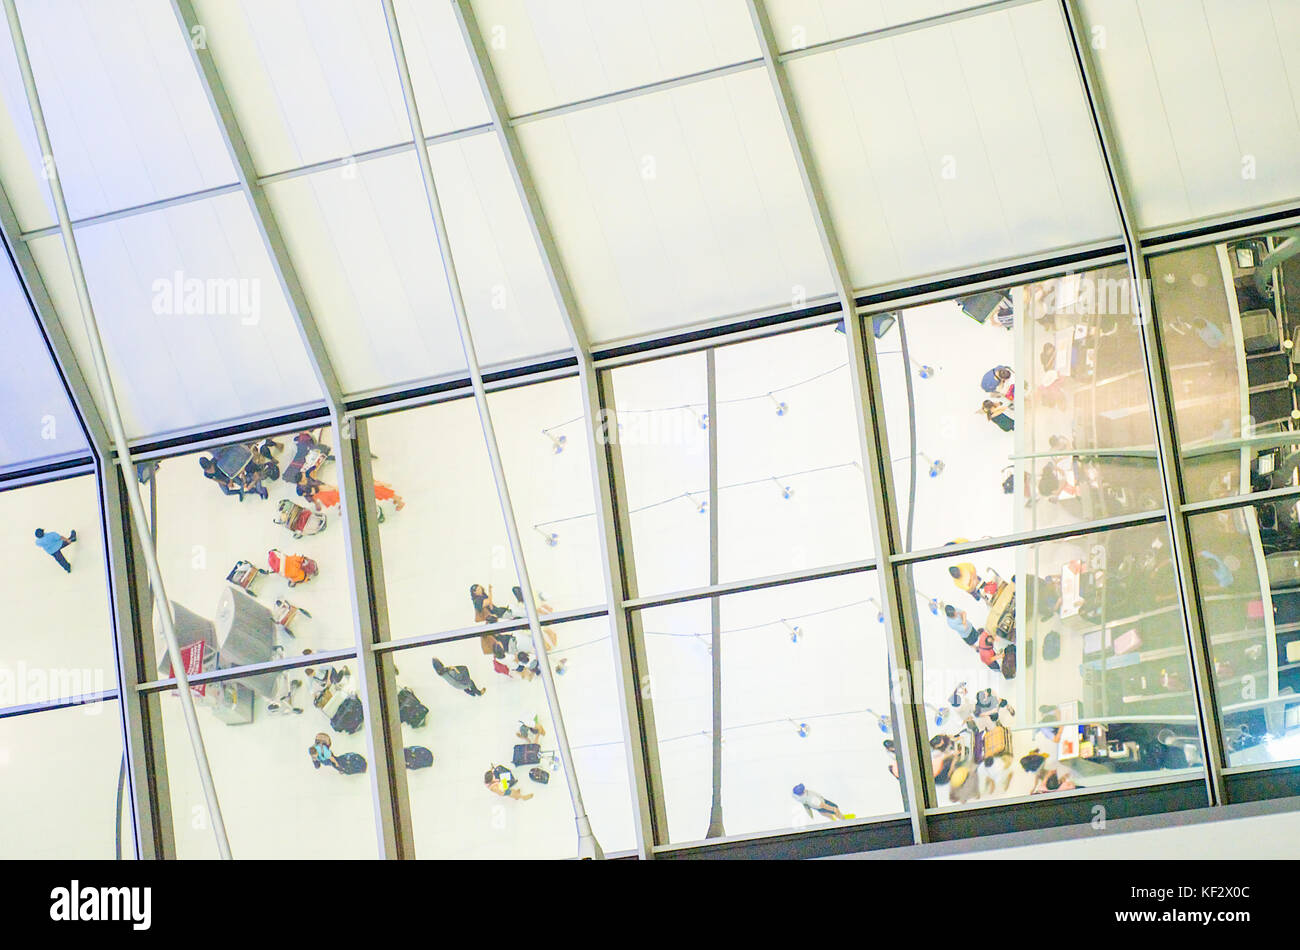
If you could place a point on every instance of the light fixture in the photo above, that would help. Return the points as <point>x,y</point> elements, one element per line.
<point>556,441</point>
<point>701,418</point>
<point>786,490</point>
<point>700,506</point>
<point>552,539</point>
<point>880,614</point>
<point>781,407</point>
<point>925,371</point>
<point>803,729</point>
<point>936,465</point>
<point>796,631</point>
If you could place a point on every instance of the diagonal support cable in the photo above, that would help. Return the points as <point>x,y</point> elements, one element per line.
<point>109,404</point>
<point>588,847</point>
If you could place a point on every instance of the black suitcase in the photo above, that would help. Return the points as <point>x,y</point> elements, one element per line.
<point>351,763</point>
<point>409,708</point>
<point>527,754</point>
<point>349,716</point>
<point>417,757</point>
<point>539,775</point>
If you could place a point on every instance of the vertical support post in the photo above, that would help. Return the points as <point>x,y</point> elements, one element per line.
<point>1162,405</point>
<point>377,685</point>
<point>716,829</point>
<point>388,786</point>
<point>868,403</point>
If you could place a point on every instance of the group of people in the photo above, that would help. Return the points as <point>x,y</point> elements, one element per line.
<point>259,463</point>
<point>501,780</point>
<point>1000,388</point>
<point>994,643</point>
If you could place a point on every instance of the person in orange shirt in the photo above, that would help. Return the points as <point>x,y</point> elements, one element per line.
<point>327,496</point>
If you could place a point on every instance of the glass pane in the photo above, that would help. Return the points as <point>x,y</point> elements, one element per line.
<point>1224,313</point>
<point>477,718</point>
<point>129,119</point>
<point>549,54</point>
<point>541,431</point>
<point>791,490</point>
<point>1056,665</point>
<point>1028,408</point>
<point>678,207</point>
<point>57,640</point>
<point>196,328</point>
<point>38,423</point>
<point>236,564</point>
<point>61,769</point>
<point>449,535</point>
<point>274,802</point>
<point>794,713</point>
<point>955,146</point>
<point>1205,102</point>
<point>1248,577</point>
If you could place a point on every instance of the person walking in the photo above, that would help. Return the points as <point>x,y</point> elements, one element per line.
<point>961,625</point>
<point>458,677</point>
<point>53,543</point>
<point>815,804</point>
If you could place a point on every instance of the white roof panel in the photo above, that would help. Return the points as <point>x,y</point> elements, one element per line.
<point>195,324</point>
<point>955,146</point>
<point>802,23</point>
<point>1205,101</point>
<point>677,207</point>
<point>127,114</point>
<point>555,52</point>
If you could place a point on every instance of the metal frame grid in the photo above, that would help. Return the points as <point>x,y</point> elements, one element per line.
<point>130,594</point>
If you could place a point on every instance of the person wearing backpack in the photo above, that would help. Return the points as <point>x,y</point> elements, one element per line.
<point>321,753</point>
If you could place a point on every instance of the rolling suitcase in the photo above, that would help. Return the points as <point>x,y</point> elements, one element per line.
<point>994,742</point>
<point>539,775</point>
<point>410,710</point>
<point>527,754</point>
<point>349,717</point>
<point>417,757</point>
<point>351,763</point>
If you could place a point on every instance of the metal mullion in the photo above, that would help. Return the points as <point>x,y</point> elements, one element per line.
<point>387,787</point>
<point>1162,405</point>
<point>63,702</point>
<point>1037,536</point>
<point>132,211</point>
<point>147,782</point>
<point>588,846</point>
<point>615,536</point>
<point>745,586</point>
<point>316,658</point>
<point>900,29</point>
<point>868,403</point>
<point>1240,501</point>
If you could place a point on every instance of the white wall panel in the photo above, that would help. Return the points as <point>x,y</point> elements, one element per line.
<point>956,146</point>
<point>185,354</point>
<point>1205,99</point>
<point>554,52</point>
<point>677,207</point>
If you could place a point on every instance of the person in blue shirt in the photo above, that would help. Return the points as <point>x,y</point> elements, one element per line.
<point>53,543</point>
<point>321,753</point>
<point>997,380</point>
<point>961,624</point>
